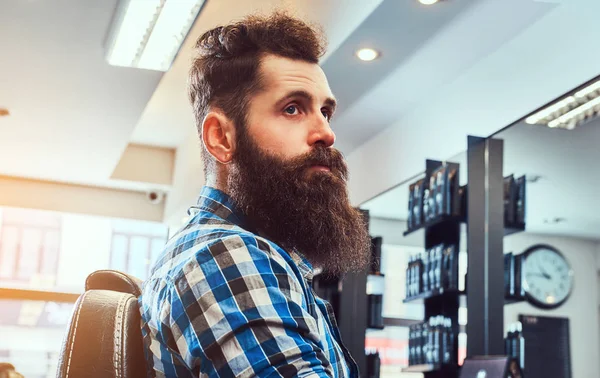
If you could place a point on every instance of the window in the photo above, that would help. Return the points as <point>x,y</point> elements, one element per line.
<point>44,250</point>
<point>134,249</point>
<point>29,246</point>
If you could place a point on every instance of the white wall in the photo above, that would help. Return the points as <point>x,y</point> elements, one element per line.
<point>188,180</point>
<point>582,306</point>
<point>70,198</point>
<point>152,165</point>
<point>391,232</point>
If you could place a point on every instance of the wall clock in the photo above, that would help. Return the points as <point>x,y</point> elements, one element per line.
<point>547,276</point>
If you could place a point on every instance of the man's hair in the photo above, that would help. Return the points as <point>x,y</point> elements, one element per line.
<point>224,73</point>
<point>8,371</point>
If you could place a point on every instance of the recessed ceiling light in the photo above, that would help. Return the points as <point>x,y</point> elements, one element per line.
<point>367,54</point>
<point>428,2</point>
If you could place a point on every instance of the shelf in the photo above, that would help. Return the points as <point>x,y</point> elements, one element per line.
<point>425,368</point>
<point>400,322</point>
<point>511,300</point>
<point>376,327</point>
<point>435,222</point>
<point>430,294</point>
<point>513,228</point>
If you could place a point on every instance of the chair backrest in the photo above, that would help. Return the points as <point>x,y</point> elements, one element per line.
<point>104,337</point>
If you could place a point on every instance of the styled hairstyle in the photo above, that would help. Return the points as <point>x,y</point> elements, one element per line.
<point>224,72</point>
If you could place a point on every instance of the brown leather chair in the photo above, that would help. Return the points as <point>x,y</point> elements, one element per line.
<point>104,337</point>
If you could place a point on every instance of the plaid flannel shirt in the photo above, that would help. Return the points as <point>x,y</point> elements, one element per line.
<point>224,302</point>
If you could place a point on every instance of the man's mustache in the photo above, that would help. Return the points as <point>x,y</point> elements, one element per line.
<point>328,157</point>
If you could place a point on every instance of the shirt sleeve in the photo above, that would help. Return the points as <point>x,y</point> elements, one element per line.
<point>238,310</point>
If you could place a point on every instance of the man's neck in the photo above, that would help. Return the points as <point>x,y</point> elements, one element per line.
<point>218,181</point>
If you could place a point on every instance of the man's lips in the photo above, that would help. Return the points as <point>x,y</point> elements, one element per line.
<point>320,168</point>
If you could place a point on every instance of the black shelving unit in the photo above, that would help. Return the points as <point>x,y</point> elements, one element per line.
<point>444,229</point>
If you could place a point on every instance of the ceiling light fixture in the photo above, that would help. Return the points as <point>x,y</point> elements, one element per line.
<point>367,54</point>
<point>428,2</point>
<point>572,110</point>
<point>147,34</point>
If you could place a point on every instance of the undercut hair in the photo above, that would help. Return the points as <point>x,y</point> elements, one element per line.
<point>224,72</point>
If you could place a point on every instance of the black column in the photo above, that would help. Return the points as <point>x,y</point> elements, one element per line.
<point>352,319</point>
<point>485,278</point>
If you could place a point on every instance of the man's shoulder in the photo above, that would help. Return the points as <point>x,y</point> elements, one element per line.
<point>215,247</point>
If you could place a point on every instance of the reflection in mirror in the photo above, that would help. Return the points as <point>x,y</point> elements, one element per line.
<point>557,151</point>
<point>560,161</point>
<point>388,214</point>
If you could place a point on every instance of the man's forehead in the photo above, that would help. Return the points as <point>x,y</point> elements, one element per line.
<point>283,74</point>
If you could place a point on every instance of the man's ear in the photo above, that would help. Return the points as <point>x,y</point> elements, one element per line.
<point>218,135</point>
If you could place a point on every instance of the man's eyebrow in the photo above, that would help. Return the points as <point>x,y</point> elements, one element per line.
<point>329,102</point>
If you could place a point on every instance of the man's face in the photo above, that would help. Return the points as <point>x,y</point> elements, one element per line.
<point>291,114</point>
<point>286,177</point>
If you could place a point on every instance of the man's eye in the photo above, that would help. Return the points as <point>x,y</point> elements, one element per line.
<point>327,114</point>
<point>292,110</point>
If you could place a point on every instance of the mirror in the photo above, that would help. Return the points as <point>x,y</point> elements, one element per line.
<point>562,214</point>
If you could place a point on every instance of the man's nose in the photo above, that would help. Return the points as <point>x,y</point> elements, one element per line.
<point>321,132</point>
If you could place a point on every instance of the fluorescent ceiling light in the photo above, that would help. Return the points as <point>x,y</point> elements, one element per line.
<point>571,111</point>
<point>587,90</point>
<point>546,112</point>
<point>367,55</point>
<point>148,33</point>
<point>575,113</point>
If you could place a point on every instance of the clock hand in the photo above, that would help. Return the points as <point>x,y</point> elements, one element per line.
<point>545,274</point>
<point>538,275</point>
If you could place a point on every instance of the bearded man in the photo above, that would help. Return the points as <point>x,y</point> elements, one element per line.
<point>231,294</point>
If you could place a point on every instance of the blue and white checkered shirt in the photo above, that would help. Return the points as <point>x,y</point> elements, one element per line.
<point>224,302</point>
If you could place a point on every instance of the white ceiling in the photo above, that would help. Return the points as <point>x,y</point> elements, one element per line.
<point>72,114</point>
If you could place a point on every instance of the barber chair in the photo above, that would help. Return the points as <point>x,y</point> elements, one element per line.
<point>104,337</point>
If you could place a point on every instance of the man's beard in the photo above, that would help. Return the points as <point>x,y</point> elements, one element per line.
<point>298,209</point>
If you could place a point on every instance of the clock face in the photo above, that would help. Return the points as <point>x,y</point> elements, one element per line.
<point>547,276</point>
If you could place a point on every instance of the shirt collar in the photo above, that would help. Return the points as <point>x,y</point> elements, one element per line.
<point>219,203</point>
<point>303,264</point>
